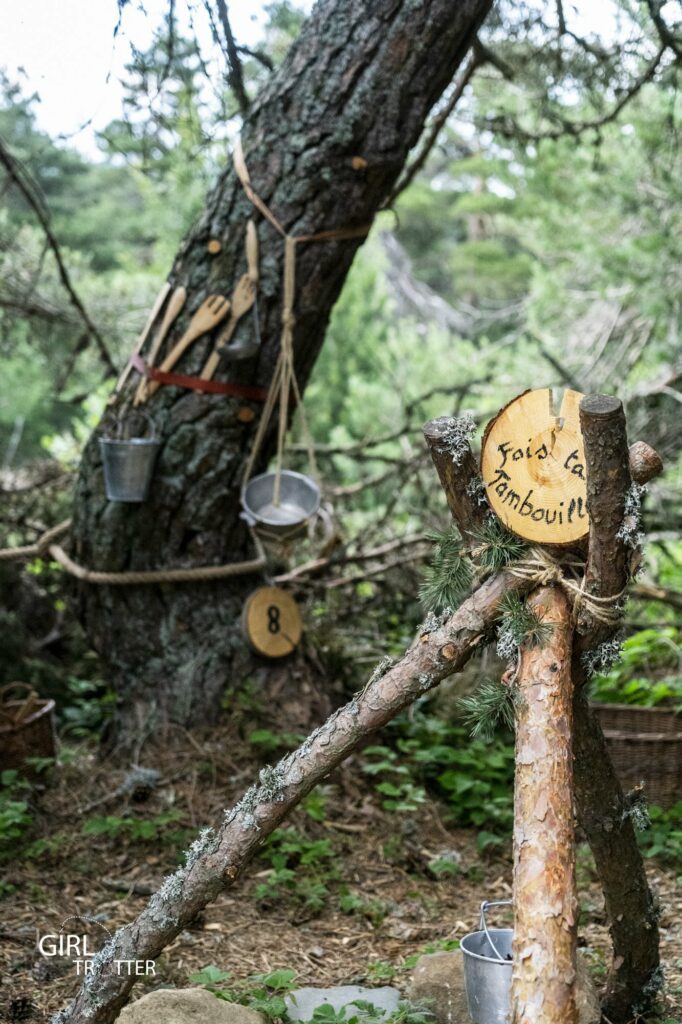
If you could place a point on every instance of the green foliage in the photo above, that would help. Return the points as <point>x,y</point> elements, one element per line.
<point>301,871</point>
<point>15,816</point>
<point>492,705</point>
<point>663,837</point>
<point>135,830</point>
<point>648,672</point>
<point>396,784</point>
<point>496,546</point>
<point>473,777</point>
<point>449,577</point>
<point>261,992</point>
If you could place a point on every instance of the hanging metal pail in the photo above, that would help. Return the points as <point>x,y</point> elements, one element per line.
<point>299,501</point>
<point>128,465</point>
<point>488,970</point>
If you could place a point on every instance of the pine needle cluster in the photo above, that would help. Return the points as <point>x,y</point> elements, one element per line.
<point>492,705</point>
<point>496,547</point>
<point>519,624</point>
<point>450,575</point>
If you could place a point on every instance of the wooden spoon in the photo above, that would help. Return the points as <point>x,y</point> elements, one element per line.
<point>242,301</point>
<point>177,301</point>
<point>211,311</point>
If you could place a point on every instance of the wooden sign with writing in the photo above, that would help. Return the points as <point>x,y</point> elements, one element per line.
<point>272,622</point>
<point>533,467</point>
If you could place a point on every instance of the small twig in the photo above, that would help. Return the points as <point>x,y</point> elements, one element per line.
<point>20,179</point>
<point>235,74</point>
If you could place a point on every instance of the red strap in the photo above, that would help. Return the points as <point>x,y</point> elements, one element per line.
<point>213,387</point>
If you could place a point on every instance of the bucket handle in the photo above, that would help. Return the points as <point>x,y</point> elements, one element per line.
<point>120,424</point>
<point>485,905</point>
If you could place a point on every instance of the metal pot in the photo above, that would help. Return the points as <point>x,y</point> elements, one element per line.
<point>128,465</point>
<point>299,501</point>
<point>488,970</point>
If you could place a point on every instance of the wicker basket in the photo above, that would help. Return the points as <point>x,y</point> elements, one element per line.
<point>645,745</point>
<point>26,726</point>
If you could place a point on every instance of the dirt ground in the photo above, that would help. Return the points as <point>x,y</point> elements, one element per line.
<point>382,859</point>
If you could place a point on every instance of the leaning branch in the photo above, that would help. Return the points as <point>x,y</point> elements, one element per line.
<point>20,179</point>
<point>218,857</point>
<point>235,75</point>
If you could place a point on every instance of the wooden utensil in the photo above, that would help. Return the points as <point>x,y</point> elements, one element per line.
<point>211,311</point>
<point>158,303</point>
<point>177,301</point>
<point>242,301</point>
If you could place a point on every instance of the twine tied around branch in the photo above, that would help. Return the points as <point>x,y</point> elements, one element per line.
<point>541,568</point>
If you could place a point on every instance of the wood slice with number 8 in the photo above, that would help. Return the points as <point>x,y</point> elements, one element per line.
<point>533,467</point>
<point>272,622</point>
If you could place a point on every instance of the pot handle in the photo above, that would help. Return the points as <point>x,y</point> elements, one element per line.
<point>120,425</point>
<point>485,905</point>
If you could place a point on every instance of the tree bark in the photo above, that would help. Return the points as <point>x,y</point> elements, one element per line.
<point>545,897</point>
<point>358,82</point>
<point>603,813</point>
<point>217,859</point>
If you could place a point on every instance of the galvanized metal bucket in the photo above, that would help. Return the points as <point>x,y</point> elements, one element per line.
<point>488,970</point>
<point>299,502</point>
<point>128,464</point>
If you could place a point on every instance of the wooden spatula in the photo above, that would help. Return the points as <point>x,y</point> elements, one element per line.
<point>211,311</point>
<point>242,300</point>
<point>177,301</point>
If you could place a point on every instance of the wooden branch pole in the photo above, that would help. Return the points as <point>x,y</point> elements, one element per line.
<point>545,897</point>
<point>457,472</point>
<point>601,807</point>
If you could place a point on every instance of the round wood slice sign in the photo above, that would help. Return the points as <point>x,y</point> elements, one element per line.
<point>533,467</point>
<point>272,622</point>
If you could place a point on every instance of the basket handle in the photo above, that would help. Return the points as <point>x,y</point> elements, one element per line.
<point>485,905</point>
<point>28,703</point>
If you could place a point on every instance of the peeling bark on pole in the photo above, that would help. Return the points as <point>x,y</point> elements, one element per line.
<point>545,899</point>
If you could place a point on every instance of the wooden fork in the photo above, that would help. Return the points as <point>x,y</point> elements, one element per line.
<point>211,311</point>
<point>242,300</point>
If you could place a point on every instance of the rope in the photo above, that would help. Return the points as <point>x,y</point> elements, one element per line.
<point>44,548</point>
<point>284,376</point>
<point>542,568</point>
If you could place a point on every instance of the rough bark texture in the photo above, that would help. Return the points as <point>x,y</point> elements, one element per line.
<point>545,898</point>
<point>359,82</point>
<point>602,810</point>
<point>458,475</point>
<point>602,422</point>
<point>216,860</point>
<point>634,977</point>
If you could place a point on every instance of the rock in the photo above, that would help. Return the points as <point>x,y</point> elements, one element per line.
<point>302,1002</point>
<point>438,982</point>
<point>186,1006</point>
<point>589,1006</point>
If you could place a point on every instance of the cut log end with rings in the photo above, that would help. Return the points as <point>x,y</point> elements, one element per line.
<point>533,467</point>
<point>272,622</point>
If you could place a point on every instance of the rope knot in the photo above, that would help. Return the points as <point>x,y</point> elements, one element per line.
<point>288,319</point>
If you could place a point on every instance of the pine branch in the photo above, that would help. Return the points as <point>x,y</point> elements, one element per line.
<point>492,705</point>
<point>496,546</point>
<point>519,625</point>
<point>450,575</point>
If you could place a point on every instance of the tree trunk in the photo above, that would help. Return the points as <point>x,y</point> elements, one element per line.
<point>358,83</point>
<point>545,896</point>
